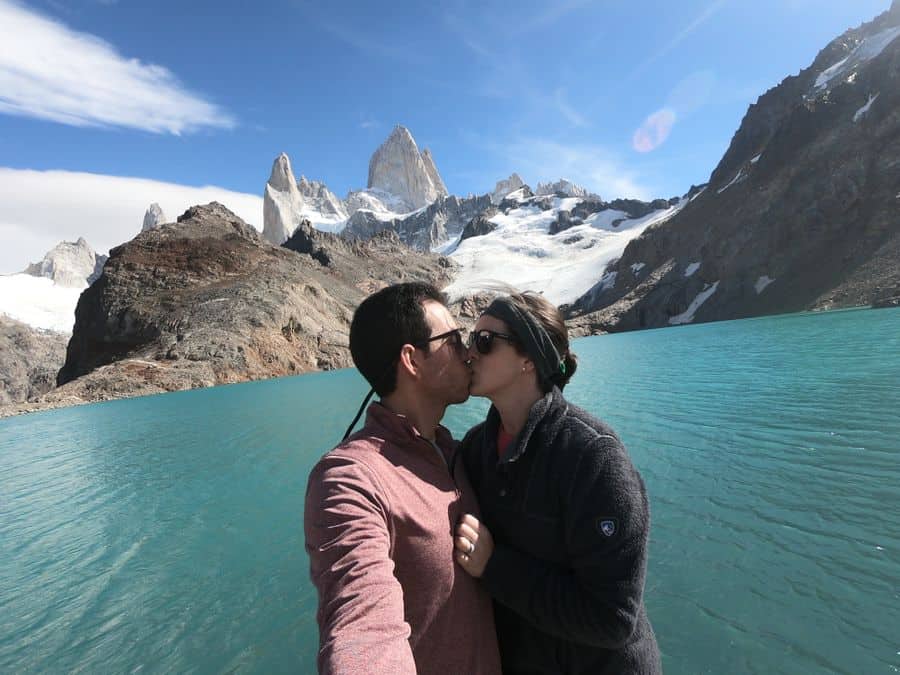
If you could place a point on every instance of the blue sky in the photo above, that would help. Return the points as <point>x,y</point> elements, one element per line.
<point>203,93</point>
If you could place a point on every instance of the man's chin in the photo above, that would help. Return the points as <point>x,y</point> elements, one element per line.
<point>462,397</point>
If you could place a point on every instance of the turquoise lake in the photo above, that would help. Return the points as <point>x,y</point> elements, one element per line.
<point>164,534</point>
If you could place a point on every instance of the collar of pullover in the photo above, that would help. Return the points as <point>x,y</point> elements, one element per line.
<point>552,400</point>
<point>398,429</point>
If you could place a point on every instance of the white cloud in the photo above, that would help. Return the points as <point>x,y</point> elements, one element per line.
<point>654,131</point>
<point>591,166</point>
<point>38,209</point>
<point>52,72</point>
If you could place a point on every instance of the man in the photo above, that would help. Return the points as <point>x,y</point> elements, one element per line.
<point>381,507</point>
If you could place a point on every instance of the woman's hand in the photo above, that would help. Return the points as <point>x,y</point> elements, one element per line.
<point>474,545</point>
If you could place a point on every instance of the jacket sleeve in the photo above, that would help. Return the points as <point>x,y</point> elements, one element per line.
<point>595,599</point>
<point>360,615</point>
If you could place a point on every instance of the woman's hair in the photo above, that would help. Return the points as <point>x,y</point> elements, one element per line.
<point>551,319</point>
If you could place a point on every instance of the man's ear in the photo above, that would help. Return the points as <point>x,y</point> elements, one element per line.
<point>409,360</point>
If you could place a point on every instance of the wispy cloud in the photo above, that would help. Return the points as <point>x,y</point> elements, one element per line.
<point>574,117</point>
<point>38,209</point>
<point>592,166</point>
<point>52,72</point>
<point>369,124</point>
<point>705,15</point>
<point>549,16</point>
<point>654,131</point>
<point>503,67</point>
<point>362,41</point>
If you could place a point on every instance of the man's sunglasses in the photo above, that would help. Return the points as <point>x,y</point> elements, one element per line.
<point>454,337</point>
<point>484,340</point>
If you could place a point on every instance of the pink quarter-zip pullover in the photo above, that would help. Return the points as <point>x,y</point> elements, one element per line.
<point>380,513</point>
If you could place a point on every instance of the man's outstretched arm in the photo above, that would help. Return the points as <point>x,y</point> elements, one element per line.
<point>361,618</point>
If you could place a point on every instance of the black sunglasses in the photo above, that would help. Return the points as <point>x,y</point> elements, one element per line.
<point>454,337</point>
<point>484,340</point>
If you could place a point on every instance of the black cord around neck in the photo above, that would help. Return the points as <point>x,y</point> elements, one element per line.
<point>358,413</point>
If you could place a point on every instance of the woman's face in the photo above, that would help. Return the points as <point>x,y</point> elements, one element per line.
<point>499,369</point>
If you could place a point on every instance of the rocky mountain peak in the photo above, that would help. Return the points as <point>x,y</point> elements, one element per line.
<point>154,217</point>
<point>398,168</point>
<point>799,214</point>
<point>504,187</point>
<point>282,176</point>
<point>69,263</point>
<point>319,198</point>
<point>282,202</point>
<point>564,187</point>
<point>432,171</point>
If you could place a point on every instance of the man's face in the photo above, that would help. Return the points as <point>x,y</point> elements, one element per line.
<point>445,376</point>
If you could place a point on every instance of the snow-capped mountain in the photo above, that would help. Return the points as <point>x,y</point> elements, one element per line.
<point>286,202</point>
<point>801,212</point>
<point>73,264</point>
<point>44,295</point>
<point>424,229</point>
<point>401,181</point>
<point>398,168</point>
<point>319,199</point>
<point>558,246</point>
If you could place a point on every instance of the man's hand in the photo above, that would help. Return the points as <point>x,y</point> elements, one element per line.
<point>474,545</point>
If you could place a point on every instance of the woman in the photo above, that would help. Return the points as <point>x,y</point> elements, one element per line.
<point>562,546</point>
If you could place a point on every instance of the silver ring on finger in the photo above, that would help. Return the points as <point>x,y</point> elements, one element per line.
<point>471,548</point>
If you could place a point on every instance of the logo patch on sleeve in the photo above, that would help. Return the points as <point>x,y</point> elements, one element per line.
<point>607,526</point>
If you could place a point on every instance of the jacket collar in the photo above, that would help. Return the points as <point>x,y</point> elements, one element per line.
<point>552,401</point>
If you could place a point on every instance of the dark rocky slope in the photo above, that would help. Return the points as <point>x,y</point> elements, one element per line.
<point>802,212</point>
<point>29,360</point>
<point>207,301</point>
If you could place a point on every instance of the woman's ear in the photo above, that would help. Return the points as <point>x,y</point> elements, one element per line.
<point>408,360</point>
<point>527,366</point>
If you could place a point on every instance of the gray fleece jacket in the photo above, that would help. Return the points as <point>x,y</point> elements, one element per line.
<point>570,518</point>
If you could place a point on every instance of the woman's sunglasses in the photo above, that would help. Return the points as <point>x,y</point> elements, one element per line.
<point>484,340</point>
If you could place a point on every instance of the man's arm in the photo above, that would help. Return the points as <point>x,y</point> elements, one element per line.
<point>596,599</point>
<point>361,618</point>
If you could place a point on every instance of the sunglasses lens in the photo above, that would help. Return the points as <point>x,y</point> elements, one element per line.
<point>483,342</point>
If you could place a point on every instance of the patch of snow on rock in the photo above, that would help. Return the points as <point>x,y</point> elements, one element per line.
<point>737,179</point>
<point>859,114</point>
<point>693,267</point>
<point>522,254</point>
<point>866,50</point>
<point>637,267</point>
<point>39,302</point>
<point>761,283</point>
<point>688,315</point>
<point>604,220</point>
